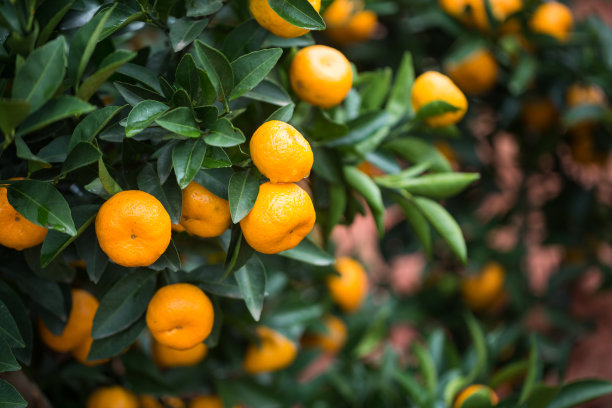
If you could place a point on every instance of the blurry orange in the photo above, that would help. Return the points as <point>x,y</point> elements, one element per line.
<point>165,356</point>
<point>81,352</point>
<point>206,401</point>
<point>554,19</point>
<point>474,389</point>
<point>274,352</point>
<point>361,27</point>
<point>539,114</point>
<point>112,397</point>
<point>350,288</point>
<point>332,340</point>
<point>481,291</point>
<point>476,73</point>
<point>433,86</point>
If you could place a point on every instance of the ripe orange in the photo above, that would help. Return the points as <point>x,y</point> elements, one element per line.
<point>280,152</point>
<point>434,86</point>
<point>274,352</point>
<point>473,389</point>
<point>476,73</point>
<point>147,401</point>
<point>81,352</point>
<point>133,228</point>
<point>321,75</point>
<point>178,228</point>
<point>281,217</point>
<point>340,12</point>
<point>271,21</point>
<point>539,114</point>
<point>481,291</point>
<point>581,94</point>
<point>206,401</point>
<point>204,214</point>
<point>112,397</point>
<point>474,12</point>
<point>553,18</point>
<point>78,327</point>
<point>332,340</point>
<point>350,288</point>
<point>180,316</point>
<point>165,356</point>
<point>358,27</point>
<point>16,231</point>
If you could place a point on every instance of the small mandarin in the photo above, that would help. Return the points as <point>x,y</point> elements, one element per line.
<point>580,95</point>
<point>206,401</point>
<point>133,228</point>
<point>112,397</point>
<point>321,76</point>
<point>271,21</point>
<point>178,228</point>
<point>475,74</point>
<point>474,12</point>
<point>17,232</point>
<point>350,288</point>
<point>147,401</point>
<point>173,402</point>
<point>332,340</point>
<point>180,316</point>
<point>274,352</point>
<point>554,19</point>
<point>361,27</point>
<point>481,291</point>
<point>204,214</point>
<point>473,389</point>
<point>81,352</point>
<point>165,356</point>
<point>433,86</point>
<point>78,327</point>
<point>340,12</point>
<point>282,216</point>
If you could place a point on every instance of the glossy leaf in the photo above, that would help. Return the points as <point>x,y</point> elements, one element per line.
<point>92,124</point>
<point>187,157</point>
<point>198,8</point>
<point>251,69</point>
<point>143,115</point>
<point>308,252</point>
<point>418,151</point>
<point>56,109</point>
<point>300,13</point>
<point>284,113</point>
<point>184,30</point>
<point>418,222</point>
<point>399,103</point>
<point>215,180</point>
<point>9,397</point>
<point>9,331</point>
<point>171,198</point>
<point>365,186</point>
<point>82,155</point>
<point>108,182</point>
<point>242,191</point>
<point>224,134</point>
<point>361,128</point>
<point>217,67</point>
<point>108,66</point>
<point>251,280</point>
<point>143,75</point>
<point>117,343</point>
<point>179,120</point>
<point>434,108</point>
<point>439,185</point>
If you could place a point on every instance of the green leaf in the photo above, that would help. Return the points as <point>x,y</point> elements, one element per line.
<point>361,128</point>
<point>269,92</point>
<point>247,36</point>
<point>427,369</point>
<point>198,8</point>
<point>300,13</point>
<point>418,222</point>
<point>108,182</point>
<point>365,186</point>
<point>338,200</point>
<point>114,345</point>
<point>7,359</point>
<point>184,30</point>
<point>124,303</point>
<point>179,120</point>
<point>92,124</point>
<point>373,88</point>
<point>108,66</point>
<point>251,280</point>
<point>434,108</point>
<point>418,151</point>
<point>142,115</point>
<point>444,223</point>
<point>215,180</point>
<point>439,185</point>
<point>41,204</point>
<point>9,397</point>
<point>217,68</point>
<point>399,103</point>
<point>169,260</point>
<point>12,113</point>
<point>8,328</point>
<point>41,74</point>
<point>187,157</point>
<point>532,371</point>
<point>284,113</point>
<point>224,134</point>
<point>171,198</point>
<point>579,392</point>
<point>55,16</point>
<point>251,69</point>
<point>242,191</point>
<point>238,252</point>
<point>479,399</point>
<point>56,109</point>
<point>21,315</point>
<point>24,152</point>
<point>308,252</point>
<point>89,250</point>
<point>479,343</point>
<point>82,155</point>
<point>542,395</point>
<point>143,75</point>
<point>120,17</point>
<point>194,81</point>
<point>210,279</point>
<point>216,158</point>
<point>134,94</point>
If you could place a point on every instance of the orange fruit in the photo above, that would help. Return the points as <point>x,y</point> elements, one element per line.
<point>178,228</point>
<point>17,232</point>
<point>446,150</point>
<point>434,86</point>
<point>165,356</point>
<point>78,327</point>
<point>133,228</point>
<point>474,12</point>
<point>582,94</point>
<point>340,12</point>
<point>147,401</point>
<point>206,401</point>
<point>282,216</point>
<point>274,352</point>
<point>350,288</point>
<point>280,152</point>
<point>81,352</point>
<point>481,291</point>
<point>476,73</point>
<point>539,114</point>
<point>204,214</point>
<point>473,389</point>
<point>180,316</point>
<point>332,340</point>
<point>554,19</point>
<point>370,169</point>
<point>271,21</point>
<point>112,397</point>
<point>321,75</point>
<point>361,27</point>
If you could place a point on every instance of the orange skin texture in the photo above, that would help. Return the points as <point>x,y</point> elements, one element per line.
<point>472,389</point>
<point>474,13</point>
<point>339,12</point>
<point>165,356</point>
<point>180,316</point>
<point>178,228</point>
<point>280,152</point>
<point>539,114</point>
<point>282,216</point>
<point>321,75</point>
<point>332,340</point>
<point>350,288</point>
<point>361,27</point>
<point>433,86</point>
<point>554,19</point>
<point>112,397</point>
<point>274,352</point>
<point>204,214</point>
<point>78,327</point>
<point>475,74</point>
<point>481,291</point>
<point>206,401</point>
<point>133,228</point>
<point>82,351</point>
<point>271,21</point>
<point>17,232</point>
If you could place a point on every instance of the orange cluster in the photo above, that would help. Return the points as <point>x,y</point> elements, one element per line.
<point>348,23</point>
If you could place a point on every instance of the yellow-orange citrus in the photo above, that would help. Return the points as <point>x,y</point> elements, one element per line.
<point>332,340</point>
<point>482,290</point>
<point>321,75</point>
<point>282,216</point>
<point>280,152</point>
<point>206,401</point>
<point>165,356</point>
<point>473,389</point>
<point>350,288</point>
<point>133,228</point>
<point>147,401</point>
<point>339,12</point>
<point>433,86</point>
<point>361,27</point>
<point>178,228</point>
<point>81,352</point>
<point>475,74</point>
<point>271,21</point>
<point>16,231</point>
<point>539,114</point>
<point>582,94</point>
<point>274,352</point>
<point>474,12</point>
<point>112,397</point>
<point>78,327</point>
<point>204,214</point>
<point>180,316</point>
<point>554,19</point>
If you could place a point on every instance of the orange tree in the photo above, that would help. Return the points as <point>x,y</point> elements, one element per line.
<point>172,172</point>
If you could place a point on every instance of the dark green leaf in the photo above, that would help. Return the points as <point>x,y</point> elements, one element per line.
<point>300,13</point>
<point>8,328</point>
<point>198,8</point>
<point>108,66</point>
<point>365,186</point>
<point>142,115</point>
<point>308,252</point>
<point>224,134</point>
<point>361,128</point>
<point>238,252</point>
<point>216,158</point>
<point>435,108</point>
<point>270,92</point>
<point>170,198</point>
<point>217,68</point>
<point>12,113</point>
<point>579,392</point>
<point>373,88</point>
<point>215,180</point>
<point>169,260</point>
<point>247,36</point>
<point>9,397</point>
<point>418,151</point>
<point>179,120</point>
<point>399,103</point>
<point>24,152</point>
<point>210,279</point>
<point>55,16</point>
<point>89,250</point>
<point>92,124</point>
<point>120,17</point>
<point>418,222</point>
<point>242,191</point>
<point>532,372</point>
<point>114,345</point>
<point>108,182</point>
<point>542,395</point>
<point>188,77</point>
<point>143,75</point>
<point>284,113</point>
<point>7,359</point>
<point>251,279</point>
<point>251,69</point>
<point>19,312</point>
<point>56,109</point>
<point>184,30</point>
<point>187,157</point>
<point>83,154</point>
